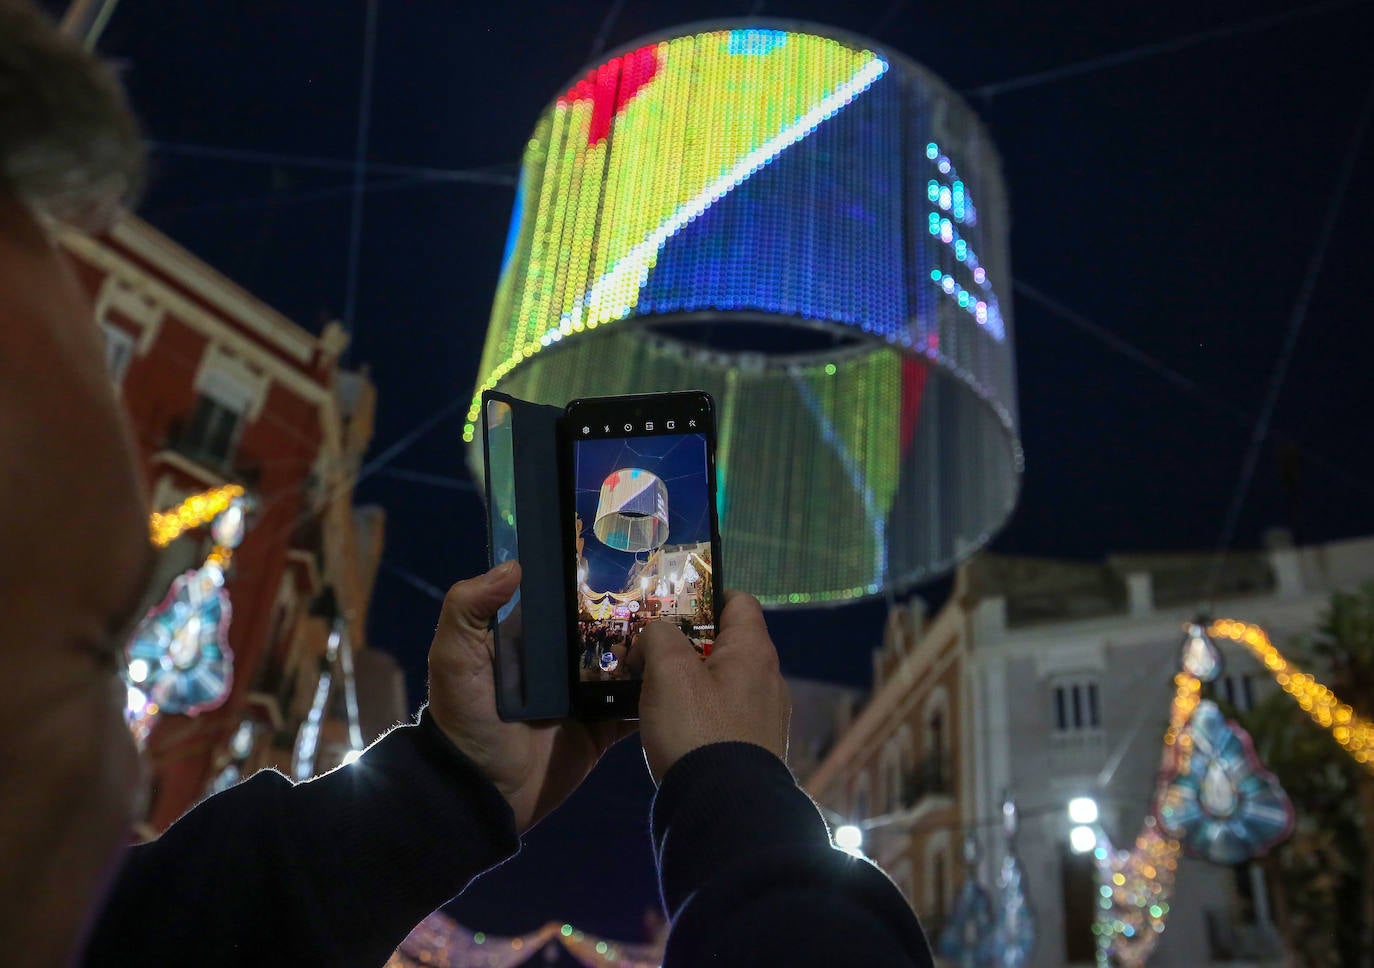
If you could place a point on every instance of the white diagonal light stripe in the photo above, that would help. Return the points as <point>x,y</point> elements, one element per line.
<point>636,262</point>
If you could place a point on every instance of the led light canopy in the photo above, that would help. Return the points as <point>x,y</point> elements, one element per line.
<point>815,232</point>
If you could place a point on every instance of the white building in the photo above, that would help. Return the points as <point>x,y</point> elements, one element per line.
<point>1063,690</point>
<point>1070,683</point>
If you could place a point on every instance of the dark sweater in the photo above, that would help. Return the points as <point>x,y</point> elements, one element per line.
<point>336,871</point>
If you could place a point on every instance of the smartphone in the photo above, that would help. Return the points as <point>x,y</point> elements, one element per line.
<point>642,537</point>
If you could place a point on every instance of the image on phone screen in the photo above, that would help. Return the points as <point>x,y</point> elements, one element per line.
<point>643,548</point>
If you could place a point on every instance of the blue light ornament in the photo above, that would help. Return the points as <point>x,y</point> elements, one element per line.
<point>1221,803</point>
<point>179,655</point>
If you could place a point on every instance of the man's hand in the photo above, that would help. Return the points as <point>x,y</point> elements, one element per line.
<point>534,765</point>
<point>736,694</point>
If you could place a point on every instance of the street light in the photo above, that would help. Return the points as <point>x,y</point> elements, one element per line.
<point>1082,839</point>
<point>1083,814</point>
<point>849,839</point>
<point>1083,810</point>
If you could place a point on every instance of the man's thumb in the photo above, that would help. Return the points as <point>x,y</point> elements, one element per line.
<point>667,653</point>
<point>472,604</point>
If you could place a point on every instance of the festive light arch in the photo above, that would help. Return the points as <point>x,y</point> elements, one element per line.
<point>1137,884</point>
<point>1352,731</point>
<point>196,511</point>
<point>812,230</point>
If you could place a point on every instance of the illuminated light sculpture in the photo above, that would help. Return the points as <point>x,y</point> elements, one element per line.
<point>967,935</point>
<point>178,659</point>
<point>1220,802</point>
<point>1201,658</point>
<point>1013,932</point>
<point>815,232</point>
<point>632,511</point>
<point>1213,795</point>
<point>1352,731</point>
<point>179,656</point>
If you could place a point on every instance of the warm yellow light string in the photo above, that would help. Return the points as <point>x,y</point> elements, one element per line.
<point>1352,731</point>
<point>198,510</point>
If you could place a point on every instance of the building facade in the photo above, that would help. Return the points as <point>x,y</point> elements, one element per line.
<point>220,388</point>
<point>897,770</point>
<point>1058,677</point>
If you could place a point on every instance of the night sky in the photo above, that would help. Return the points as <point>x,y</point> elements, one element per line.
<point>1168,202</point>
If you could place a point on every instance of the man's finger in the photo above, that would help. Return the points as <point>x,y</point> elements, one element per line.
<point>473,603</point>
<point>667,652</point>
<point>741,611</point>
<point>743,634</point>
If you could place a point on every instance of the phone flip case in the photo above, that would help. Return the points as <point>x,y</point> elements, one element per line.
<point>531,638</point>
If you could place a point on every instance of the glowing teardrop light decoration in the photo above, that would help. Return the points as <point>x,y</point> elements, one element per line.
<point>1201,658</point>
<point>1217,793</point>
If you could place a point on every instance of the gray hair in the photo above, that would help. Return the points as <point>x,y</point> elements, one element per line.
<point>69,147</point>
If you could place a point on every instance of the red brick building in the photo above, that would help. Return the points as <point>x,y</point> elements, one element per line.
<point>221,388</point>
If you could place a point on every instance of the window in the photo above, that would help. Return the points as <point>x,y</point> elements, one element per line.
<point>119,350</point>
<point>212,431</point>
<point>230,392</point>
<point>1076,706</point>
<point>935,729</point>
<point>892,775</point>
<point>1237,691</point>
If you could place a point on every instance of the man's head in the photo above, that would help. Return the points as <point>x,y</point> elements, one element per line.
<point>69,148</point>
<point>73,520</point>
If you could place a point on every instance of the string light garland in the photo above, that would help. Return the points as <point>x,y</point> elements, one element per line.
<point>1135,885</point>
<point>1352,731</point>
<point>196,511</point>
<point>1133,903</point>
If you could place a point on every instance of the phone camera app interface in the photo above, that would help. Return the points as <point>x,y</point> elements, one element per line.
<point>643,538</point>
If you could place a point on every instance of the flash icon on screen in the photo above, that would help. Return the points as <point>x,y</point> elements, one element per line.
<point>606,429</point>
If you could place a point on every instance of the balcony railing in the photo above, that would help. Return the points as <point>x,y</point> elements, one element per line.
<point>221,461</point>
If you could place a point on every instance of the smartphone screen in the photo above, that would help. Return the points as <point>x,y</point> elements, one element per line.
<point>644,531</point>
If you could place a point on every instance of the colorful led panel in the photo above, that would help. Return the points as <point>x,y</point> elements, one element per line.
<point>812,230</point>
